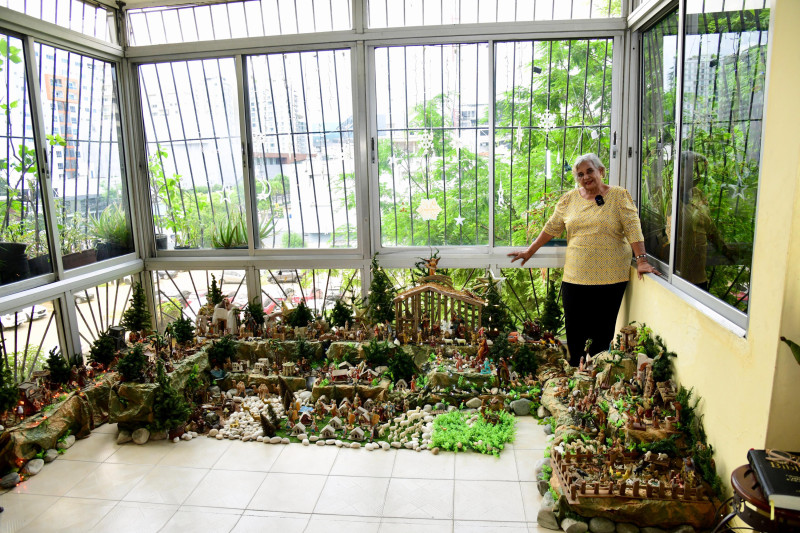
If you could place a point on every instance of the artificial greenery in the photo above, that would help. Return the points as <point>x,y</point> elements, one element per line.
<point>501,349</point>
<point>103,349</point>
<point>526,360</point>
<point>193,383</point>
<point>132,365</point>
<point>300,316</point>
<point>9,393</point>
<point>552,317</point>
<point>341,314</point>
<point>377,353</point>
<point>453,432</point>
<point>494,316</point>
<point>305,350</point>
<point>182,329</point>
<point>214,292</point>
<point>401,366</point>
<point>170,409</point>
<point>255,310</point>
<point>136,317</point>
<point>58,367</point>
<point>222,351</point>
<point>379,304</point>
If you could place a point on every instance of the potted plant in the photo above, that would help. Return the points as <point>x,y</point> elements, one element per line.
<point>230,233</point>
<point>13,255</point>
<point>111,232</point>
<point>74,252</point>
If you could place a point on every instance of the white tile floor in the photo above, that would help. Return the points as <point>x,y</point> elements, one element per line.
<point>206,485</point>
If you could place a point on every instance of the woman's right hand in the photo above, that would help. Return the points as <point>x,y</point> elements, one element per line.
<point>524,255</point>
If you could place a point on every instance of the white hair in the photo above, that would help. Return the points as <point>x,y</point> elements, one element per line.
<point>587,158</point>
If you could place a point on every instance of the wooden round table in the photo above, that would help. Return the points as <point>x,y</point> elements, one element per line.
<point>746,490</point>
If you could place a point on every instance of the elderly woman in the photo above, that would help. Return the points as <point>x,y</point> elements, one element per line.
<point>602,226</point>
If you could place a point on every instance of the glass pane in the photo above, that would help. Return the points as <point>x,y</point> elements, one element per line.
<point>524,291</point>
<point>394,13</point>
<point>320,289</point>
<point>82,124</point>
<point>250,18</point>
<point>191,123</point>
<point>433,135</point>
<point>185,292</point>
<point>24,251</point>
<point>723,100</point>
<point>553,103</point>
<point>659,63</point>
<point>100,307</point>
<point>87,18</point>
<point>26,337</point>
<point>302,121</point>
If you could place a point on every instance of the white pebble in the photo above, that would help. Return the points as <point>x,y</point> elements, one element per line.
<point>285,441</point>
<point>320,443</point>
<point>219,436</point>
<point>176,439</point>
<point>305,442</point>
<point>213,432</point>
<point>339,443</point>
<point>355,445</point>
<point>330,442</point>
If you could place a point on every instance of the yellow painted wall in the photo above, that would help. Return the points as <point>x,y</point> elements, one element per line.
<point>750,385</point>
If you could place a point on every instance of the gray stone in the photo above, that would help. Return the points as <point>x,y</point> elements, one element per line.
<point>50,455</point>
<point>124,436</point>
<point>624,527</point>
<point>685,528</point>
<point>474,403</point>
<point>159,435</point>
<point>570,525</point>
<point>548,501</point>
<point>602,525</point>
<point>212,418</point>
<point>543,486</point>
<point>542,412</point>
<point>440,407</point>
<point>141,435</point>
<point>652,530</point>
<point>231,393</point>
<point>213,390</point>
<point>33,467</point>
<point>9,481</point>
<point>521,407</point>
<point>427,408</point>
<point>537,467</point>
<point>66,443</point>
<point>547,518</point>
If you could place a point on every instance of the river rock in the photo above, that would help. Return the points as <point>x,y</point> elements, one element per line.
<point>547,518</point>
<point>306,442</point>
<point>33,467</point>
<point>211,418</point>
<point>570,525</point>
<point>542,412</point>
<point>547,429</point>
<point>601,525</point>
<point>285,440</point>
<point>521,407</point>
<point>275,440</point>
<point>320,443</point>
<point>626,527</point>
<point>141,435</point>
<point>9,480</point>
<point>188,436</point>
<point>548,501</point>
<point>66,443</point>
<point>543,486</point>
<point>427,408</point>
<point>396,444</point>
<point>213,432</point>
<point>355,445</point>
<point>302,436</point>
<point>159,435</point>
<point>50,455</point>
<point>537,467</point>
<point>474,403</point>
<point>385,445</point>
<point>124,436</point>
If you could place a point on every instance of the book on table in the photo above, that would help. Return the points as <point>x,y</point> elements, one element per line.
<point>778,473</point>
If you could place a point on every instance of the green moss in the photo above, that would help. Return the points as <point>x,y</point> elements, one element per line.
<point>450,429</point>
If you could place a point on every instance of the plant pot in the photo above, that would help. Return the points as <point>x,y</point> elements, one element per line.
<point>40,265</point>
<point>13,262</point>
<point>162,241</point>
<point>107,250</point>
<point>79,259</point>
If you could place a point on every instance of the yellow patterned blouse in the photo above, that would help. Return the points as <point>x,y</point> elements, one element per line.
<point>598,237</point>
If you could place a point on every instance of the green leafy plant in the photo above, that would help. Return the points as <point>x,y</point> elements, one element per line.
<point>452,432</point>
<point>377,353</point>
<point>58,367</point>
<point>132,364</point>
<point>300,316</point>
<point>402,366</point>
<point>255,310</point>
<point>379,306</point>
<point>341,314</point>
<point>111,226</point>
<point>214,292</point>
<point>495,317</point>
<point>526,360</point>
<point>222,351</point>
<point>182,329</point>
<point>229,232</point>
<point>103,350</point>
<point>9,394</point>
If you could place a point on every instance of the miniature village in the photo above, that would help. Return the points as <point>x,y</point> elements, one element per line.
<point>432,368</point>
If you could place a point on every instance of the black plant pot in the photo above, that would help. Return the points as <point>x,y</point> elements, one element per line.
<point>40,265</point>
<point>162,241</point>
<point>107,250</point>
<point>13,262</point>
<point>79,259</point>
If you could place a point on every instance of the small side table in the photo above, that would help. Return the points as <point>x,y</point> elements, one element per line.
<point>747,490</point>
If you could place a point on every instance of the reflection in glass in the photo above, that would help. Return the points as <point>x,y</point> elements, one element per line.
<point>723,99</point>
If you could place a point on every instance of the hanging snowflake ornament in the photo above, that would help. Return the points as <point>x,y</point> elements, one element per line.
<point>518,136</point>
<point>429,209</point>
<point>547,121</point>
<point>426,141</point>
<point>501,201</point>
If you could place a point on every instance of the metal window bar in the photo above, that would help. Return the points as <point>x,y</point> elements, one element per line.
<point>103,306</point>
<point>85,22</point>
<point>16,348</point>
<point>181,288</point>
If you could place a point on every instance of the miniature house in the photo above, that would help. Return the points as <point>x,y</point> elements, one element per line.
<point>357,434</point>
<point>298,429</point>
<point>335,422</point>
<point>328,432</point>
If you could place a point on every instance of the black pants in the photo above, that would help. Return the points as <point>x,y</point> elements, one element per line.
<point>590,312</point>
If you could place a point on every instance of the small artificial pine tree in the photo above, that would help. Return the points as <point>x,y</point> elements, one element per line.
<point>131,366</point>
<point>182,329</point>
<point>103,349</point>
<point>552,318</point>
<point>214,292</point>
<point>494,316</point>
<point>58,367</point>
<point>255,311</point>
<point>137,317</point>
<point>300,316</point>
<point>501,349</point>
<point>380,308</point>
<point>341,314</point>
<point>9,394</point>
<point>170,409</point>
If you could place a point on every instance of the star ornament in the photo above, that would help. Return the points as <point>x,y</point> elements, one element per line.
<point>459,220</point>
<point>429,209</point>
